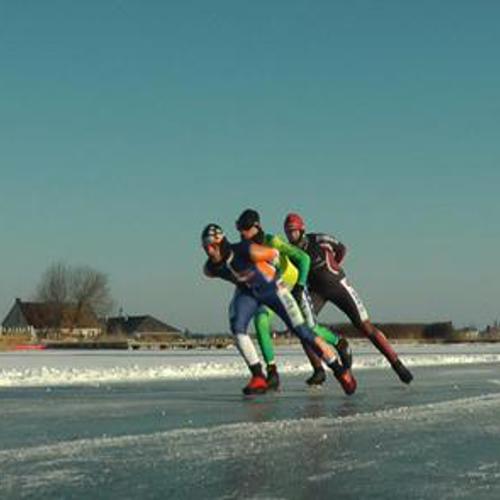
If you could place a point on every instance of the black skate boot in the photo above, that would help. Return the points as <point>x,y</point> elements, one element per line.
<point>344,352</point>
<point>403,373</point>
<point>273,379</point>
<point>317,378</point>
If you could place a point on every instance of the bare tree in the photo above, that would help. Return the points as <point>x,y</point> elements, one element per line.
<point>90,289</point>
<point>80,287</point>
<point>54,284</point>
<point>53,289</point>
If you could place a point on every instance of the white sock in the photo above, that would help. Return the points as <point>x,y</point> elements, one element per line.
<point>247,349</point>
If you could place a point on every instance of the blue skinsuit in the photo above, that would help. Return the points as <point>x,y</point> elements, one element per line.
<point>255,288</point>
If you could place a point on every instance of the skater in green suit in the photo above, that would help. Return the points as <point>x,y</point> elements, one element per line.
<point>293,267</point>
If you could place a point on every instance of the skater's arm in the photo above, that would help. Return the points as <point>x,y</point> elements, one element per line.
<point>298,257</point>
<point>261,253</point>
<point>329,243</point>
<point>218,270</point>
<point>210,269</point>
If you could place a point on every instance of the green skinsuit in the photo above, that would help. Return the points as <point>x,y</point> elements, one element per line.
<point>293,268</point>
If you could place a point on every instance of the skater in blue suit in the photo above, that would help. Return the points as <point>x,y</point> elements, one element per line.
<point>252,268</point>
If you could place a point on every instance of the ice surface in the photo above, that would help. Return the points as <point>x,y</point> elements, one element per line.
<point>192,434</point>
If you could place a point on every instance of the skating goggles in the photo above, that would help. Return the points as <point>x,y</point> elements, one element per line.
<point>245,225</point>
<point>212,235</point>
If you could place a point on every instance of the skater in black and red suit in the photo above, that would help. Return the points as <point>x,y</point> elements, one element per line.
<point>327,282</point>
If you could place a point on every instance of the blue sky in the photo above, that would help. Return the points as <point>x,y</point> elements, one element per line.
<point>126,126</point>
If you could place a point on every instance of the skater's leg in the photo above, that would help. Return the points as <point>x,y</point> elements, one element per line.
<point>347,299</point>
<point>284,305</point>
<point>242,308</point>
<point>263,329</point>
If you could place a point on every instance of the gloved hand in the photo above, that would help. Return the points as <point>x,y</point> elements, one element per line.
<point>298,293</point>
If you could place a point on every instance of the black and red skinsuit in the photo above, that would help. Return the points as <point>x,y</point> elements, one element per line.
<point>327,282</point>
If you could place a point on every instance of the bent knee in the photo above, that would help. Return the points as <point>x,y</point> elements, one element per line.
<point>304,333</point>
<point>262,321</point>
<point>238,327</point>
<point>367,328</point>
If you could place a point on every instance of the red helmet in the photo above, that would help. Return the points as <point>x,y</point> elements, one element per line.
<point>294,222</point>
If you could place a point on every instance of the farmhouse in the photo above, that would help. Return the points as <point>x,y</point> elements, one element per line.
<point>43,319</point>
<point>145,328</point>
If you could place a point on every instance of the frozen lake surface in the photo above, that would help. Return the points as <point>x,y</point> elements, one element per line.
<point>175,425</point>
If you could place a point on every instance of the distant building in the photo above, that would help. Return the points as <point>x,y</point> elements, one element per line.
<point>464,334</point>
<point>41,319</point>
<point>492,332</point>
<point>142,328</point>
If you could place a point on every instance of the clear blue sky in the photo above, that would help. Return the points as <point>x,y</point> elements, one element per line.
<point>125,126</point>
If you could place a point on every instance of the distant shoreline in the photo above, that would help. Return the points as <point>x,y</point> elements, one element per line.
<point>14,344</point>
